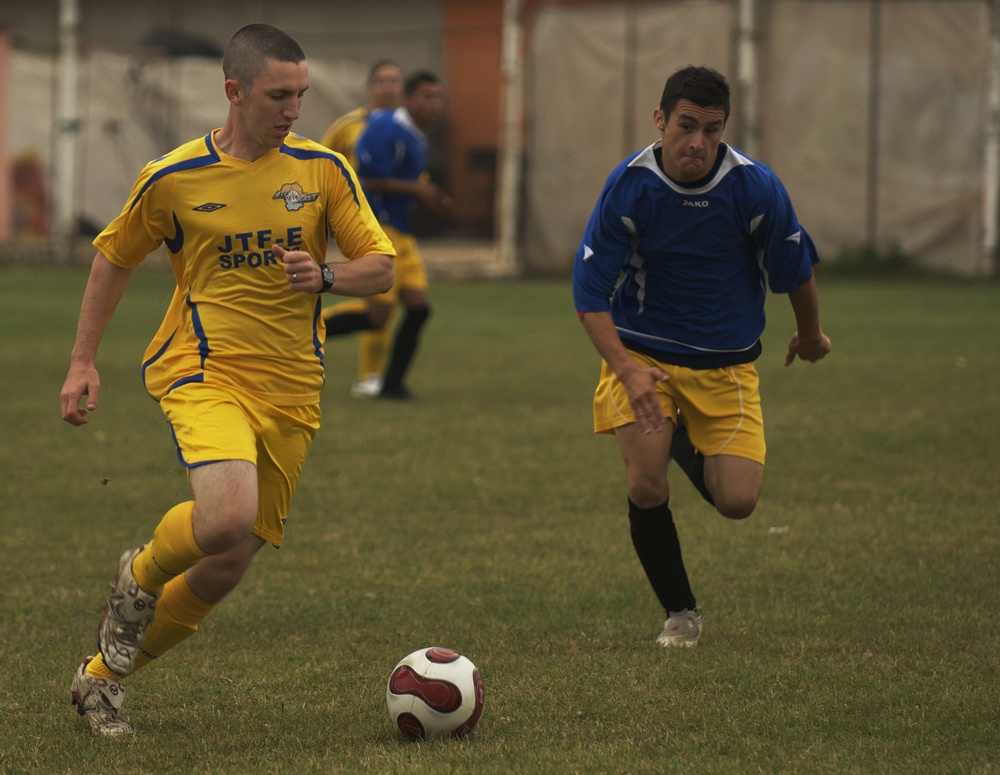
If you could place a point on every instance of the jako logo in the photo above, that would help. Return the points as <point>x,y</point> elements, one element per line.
<point>695,203</point>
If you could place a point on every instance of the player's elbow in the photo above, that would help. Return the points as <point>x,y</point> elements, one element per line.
<point>386,276</point>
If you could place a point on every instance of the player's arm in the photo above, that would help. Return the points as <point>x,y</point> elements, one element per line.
<point>105,288</point>
<point>428,192</point>
<point>365,275</point>
<point>808,342</point>
<point>378,162</point>
<point>639,381</point>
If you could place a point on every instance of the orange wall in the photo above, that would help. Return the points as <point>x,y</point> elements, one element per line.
<point>472,81</point>
<point>5,172</point>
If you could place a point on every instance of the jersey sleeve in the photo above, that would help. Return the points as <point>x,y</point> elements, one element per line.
<point>788,250</point>
<point>351,220</point>
<point>142,226</point>
<point>603,253</point>
<point>378,151</point>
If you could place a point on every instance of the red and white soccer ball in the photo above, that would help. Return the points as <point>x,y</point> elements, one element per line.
<point>435,692</point>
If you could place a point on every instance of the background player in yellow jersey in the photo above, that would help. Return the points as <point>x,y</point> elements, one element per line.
<point>392,164</point>
<point>385,90</point>
<point>237,364</point>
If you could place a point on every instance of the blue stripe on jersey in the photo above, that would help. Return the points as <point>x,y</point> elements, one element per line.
<point>174,245</point>
<point>303,155</point>
<point>156,356</point>
<point>199,331</point>
<point>187,164</point>
<point>187,381</point>
<point>317,342</point>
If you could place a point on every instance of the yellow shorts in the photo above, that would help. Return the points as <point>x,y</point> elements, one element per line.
<point>408,266</point>
<point>210,423</point>
<point>721,407</point>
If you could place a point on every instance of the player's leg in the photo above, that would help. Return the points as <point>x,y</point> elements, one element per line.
<point>725,424</point>
<point>346,317</point>
<point>735,482</point>
<point>411,280</point>
<point>185,600</point>
<point>207,424</point>
<point>284,438</point>
<point>373,345</point>
<point>651,522</point>
<point>689,459</point>
<point>405,344</point>
<point>373,355</point>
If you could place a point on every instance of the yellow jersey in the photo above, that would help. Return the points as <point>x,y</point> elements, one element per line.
<point>342,134</point>
<point>233,319</point>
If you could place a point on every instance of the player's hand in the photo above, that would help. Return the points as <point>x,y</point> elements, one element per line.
<point>640,384</point>
<point>435,198</point>
<point>81,381</point>
<point>302,272</point>
<point>811,349</point>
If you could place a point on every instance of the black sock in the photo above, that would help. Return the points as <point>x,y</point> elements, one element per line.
<point>405,346</point>
<point>654,537</point>
<point>347,323</point>
<point>691,461</point>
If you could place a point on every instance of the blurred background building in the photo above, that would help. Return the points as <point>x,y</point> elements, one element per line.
<point>882,117</point>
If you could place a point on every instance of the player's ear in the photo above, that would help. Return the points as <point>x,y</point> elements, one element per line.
<point>233,92</point>
<point>659,119</point>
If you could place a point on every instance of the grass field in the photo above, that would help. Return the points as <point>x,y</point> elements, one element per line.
<point>852,624</point>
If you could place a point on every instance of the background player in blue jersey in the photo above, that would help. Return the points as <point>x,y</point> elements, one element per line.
<point>669,282</point>
<point>392,164</point>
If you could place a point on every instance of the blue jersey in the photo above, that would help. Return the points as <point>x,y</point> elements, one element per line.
<point>683,270</point>
<point>391,147</point>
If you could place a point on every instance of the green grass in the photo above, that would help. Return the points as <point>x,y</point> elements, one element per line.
<point>851,623</point>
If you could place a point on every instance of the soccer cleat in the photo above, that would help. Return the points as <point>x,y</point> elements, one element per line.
<point>682,628</point>
<point>99,701</point>
<point>367,388</point>
<point>128,612</point>
<point>396,393</point>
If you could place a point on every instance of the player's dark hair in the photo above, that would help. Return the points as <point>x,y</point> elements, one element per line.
<point>249,49</point>
<point>378,66</point>
<point>701,85</point>
<point>417,79</point>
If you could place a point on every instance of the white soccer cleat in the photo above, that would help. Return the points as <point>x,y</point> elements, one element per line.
<point>367,388</point>
<point>682,628</point>
<point>99,701</point>
<point>128,612</point>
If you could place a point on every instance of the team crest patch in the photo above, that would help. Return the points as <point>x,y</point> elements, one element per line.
<point>294,196</point>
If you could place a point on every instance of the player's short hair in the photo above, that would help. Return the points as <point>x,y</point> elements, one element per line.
<point>249,49</point>
<point>701,85</point>
<point>417,79</point>
<point>378,66</point>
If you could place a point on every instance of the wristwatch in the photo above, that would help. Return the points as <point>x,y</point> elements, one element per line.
<point>327,274</point>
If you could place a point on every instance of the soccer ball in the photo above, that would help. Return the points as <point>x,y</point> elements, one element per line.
<point>435,692</point>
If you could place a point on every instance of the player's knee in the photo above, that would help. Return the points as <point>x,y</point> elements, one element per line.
<point>230,525</point>
<point>735,505</point>
<point>646,493</point>
<point>378,316</point>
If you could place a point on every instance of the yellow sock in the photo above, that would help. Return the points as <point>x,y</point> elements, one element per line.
<point>171,552</point>
<point>178,613</point>
<point>373,350</point>
<point>98,669</point>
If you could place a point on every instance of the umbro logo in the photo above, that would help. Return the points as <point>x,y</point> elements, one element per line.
<point>208,207</point>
